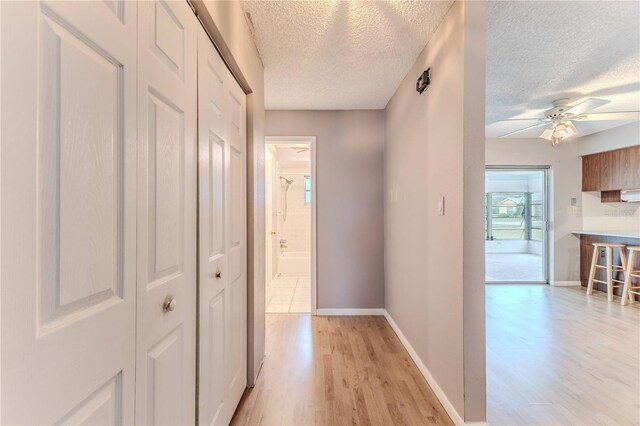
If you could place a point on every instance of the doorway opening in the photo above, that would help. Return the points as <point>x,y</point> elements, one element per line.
<point>290,216</point>
<point>516,225</point>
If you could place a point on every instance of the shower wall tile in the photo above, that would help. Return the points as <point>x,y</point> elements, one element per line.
<point>296,228</point>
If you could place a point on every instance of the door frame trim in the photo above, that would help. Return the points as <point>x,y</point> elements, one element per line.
<point>311,141</point>
<point>547,212</point>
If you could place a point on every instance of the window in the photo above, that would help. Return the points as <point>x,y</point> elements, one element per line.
<point>513,216</point>
<point>307,190</point>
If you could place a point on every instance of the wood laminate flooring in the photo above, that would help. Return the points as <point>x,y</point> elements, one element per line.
<point>557,356</point>
<point>337,371</point>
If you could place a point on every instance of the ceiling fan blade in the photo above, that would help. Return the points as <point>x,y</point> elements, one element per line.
<point>520,120</point>
<point>538,124</point>
<point>547,134</point>
<point>608,116</point>
<point>588,105</point>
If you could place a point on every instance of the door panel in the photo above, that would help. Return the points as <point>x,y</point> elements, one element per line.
<point>222,236</point>
<point>165,370</point>
<point>165,378</point>
<point>68,212</point>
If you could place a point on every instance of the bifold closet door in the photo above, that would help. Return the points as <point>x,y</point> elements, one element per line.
<point>166,306</point>
<point>68,174</point>
<point>222,369</point>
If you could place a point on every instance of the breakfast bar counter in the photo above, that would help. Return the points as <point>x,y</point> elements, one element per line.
<point>587,238</point>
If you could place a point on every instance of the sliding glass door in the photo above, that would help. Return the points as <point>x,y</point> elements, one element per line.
<point>516,225</point>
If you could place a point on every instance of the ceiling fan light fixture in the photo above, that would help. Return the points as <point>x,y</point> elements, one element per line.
<point>560,131</point>
<point>547,134</point>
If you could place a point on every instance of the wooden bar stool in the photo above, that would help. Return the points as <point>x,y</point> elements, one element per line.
<point>609,268</point>
<point>629,290</point>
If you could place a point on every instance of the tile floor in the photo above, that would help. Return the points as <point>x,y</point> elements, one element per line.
<point>513,267</point>
<point>289,294</point>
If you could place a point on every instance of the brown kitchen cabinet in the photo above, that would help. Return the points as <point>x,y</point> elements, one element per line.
<point>610,178</point>
<point>612,170</point>
<point>591,173</point>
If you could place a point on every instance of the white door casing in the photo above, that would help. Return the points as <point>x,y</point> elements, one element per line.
<point>268,214</point>
<point>68,161</point>
<point>167,103</point>
<point>222,238</point>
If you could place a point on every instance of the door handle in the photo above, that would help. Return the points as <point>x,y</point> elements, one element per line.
<point>169,304</point>
<point>218,273</point>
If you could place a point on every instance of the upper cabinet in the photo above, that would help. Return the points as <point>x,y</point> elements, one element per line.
<point>612,171</point>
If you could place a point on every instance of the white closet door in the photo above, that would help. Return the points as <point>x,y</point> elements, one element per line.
<point>222,238</point>
<point>167,102</point>
<point>68,161</point>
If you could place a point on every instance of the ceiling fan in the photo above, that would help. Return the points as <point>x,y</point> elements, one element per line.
<point>558,121</point>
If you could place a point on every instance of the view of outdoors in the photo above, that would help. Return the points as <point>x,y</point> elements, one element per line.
<point>515,225</point>
<point>514,216</point>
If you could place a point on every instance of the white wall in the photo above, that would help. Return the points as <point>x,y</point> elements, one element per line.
<point>564,184</point>
<point>598,216</point>
<point>434,267</point>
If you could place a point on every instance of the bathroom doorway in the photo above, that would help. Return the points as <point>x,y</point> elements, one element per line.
<point>290,217</point>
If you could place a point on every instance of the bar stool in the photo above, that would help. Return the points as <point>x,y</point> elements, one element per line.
<point>629,290</point>
<point>609,268</point>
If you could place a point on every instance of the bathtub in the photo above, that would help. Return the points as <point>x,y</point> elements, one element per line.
<point>294,262</point>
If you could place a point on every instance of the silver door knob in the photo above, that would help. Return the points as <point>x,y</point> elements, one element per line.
<point>218,273</point>
<point>169,304</point>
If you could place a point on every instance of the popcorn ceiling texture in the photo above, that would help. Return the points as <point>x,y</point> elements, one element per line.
<point>538,51</point>
<point>339,54</point>
<point>353,55</point>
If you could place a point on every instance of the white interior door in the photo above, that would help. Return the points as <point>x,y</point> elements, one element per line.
<point>68,161</point>
<point>222,238</point>
<point>167,102</point>
<point>268,215</point>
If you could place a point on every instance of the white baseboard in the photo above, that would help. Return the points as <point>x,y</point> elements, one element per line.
<point>442,397</point>
<point>350,312</point>
<point>455,417</point>
<point>565,283</point>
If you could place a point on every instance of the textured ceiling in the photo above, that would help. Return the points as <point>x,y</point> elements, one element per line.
<point>539,51</point>
<point>339,54</point>
<point>353,54</point>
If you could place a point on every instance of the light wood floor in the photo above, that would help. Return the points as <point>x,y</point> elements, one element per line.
<point>337,371</point>
<point>556,356</point>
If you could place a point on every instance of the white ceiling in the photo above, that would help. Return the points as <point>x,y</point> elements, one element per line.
<point>291,155</point>
<point>538,51</point>
<point>339,54</point>
<point>353,55</point>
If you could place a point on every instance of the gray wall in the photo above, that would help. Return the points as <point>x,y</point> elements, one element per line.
<point>434,267</point>
<point>350,199</point>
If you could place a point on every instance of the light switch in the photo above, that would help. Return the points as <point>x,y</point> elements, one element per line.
<point>441,206</point>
